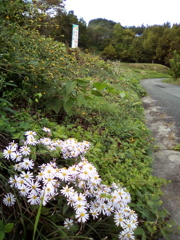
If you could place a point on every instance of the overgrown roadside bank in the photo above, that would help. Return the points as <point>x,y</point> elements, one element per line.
<point>112,120</point>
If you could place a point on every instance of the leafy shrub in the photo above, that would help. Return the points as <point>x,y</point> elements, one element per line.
<point>175,66</point>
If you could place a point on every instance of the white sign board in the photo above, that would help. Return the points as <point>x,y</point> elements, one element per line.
<point>75,35</point>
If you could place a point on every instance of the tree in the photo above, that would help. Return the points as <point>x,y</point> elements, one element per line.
<point>163,47</point>
<point>100,32</point>
<point>121,40</point>
<point>151,37</point>
<point>109,52</point>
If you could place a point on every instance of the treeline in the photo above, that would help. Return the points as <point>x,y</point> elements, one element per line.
<point>109,39</point>
<point>113,41</point>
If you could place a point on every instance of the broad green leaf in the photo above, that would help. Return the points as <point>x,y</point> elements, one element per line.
<point>8,227</point>
<point>2,235</point>
<point>96,93</point>
<point>68,105</point>
<point>70,87</point>
<point>66,97</point>
<point>111,90</point>
<point>141,232</point>
<point>82,82</point>
<point>55,104</point>
<point>100,86</point>
<point>80,100</point>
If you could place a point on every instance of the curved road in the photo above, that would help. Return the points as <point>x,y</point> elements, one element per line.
<point>167,96</point>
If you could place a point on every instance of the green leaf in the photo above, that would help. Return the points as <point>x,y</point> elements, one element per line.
<point>8,109</point>
<point>70,87</point>
<point>82,82</point>
<point>100,86</point>
<point>111,90</point>
<point>55,104</point>
<point>1,225</point>
<point>80,100</point>
<point>24,125</point>
<point>45,211</point>
<point>8,227</point>
<point>5,101</point>
<point>65,208</point>
<point>68,105</point>
<point>122,94</point>
<point>96,93</point>
<point>2,235</point>
<point>140,232</point>
<point>165,236</point>
<point>10,84</point>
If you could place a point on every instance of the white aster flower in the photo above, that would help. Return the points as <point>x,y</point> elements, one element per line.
<point>28,176</point>
<point>118,219</point>
<point>34,199</point>
<point>27,164</point>
<point>9,199</point>
<point>20,182</point>
<point>46,141</point>
<point>94,212</point>
<point>34,187</point>
<point>9,152</point>
<point>30,133</point>
<point>125,235</point>
<point>58,143</point>
<point>51,147</point>
<point>67,191</point>
<point>18,166</point>
<point>129,225</point>
<point>25,150</point>
<point>40,176</point>
<point>13,181</point>
<point>68,223</point>
<point>82,216</point>
<point>13,145</point>
<point>31,141</point>
<point>64,175</point>
<point>24,191</point>
<point>49,190</point>
<point>49,171</point>
<point>16,156</point>
<point>45,129</point>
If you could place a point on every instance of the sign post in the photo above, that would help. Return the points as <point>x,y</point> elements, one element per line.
<point>75,35</point>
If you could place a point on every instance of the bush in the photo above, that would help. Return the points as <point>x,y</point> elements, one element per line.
<point>175,66</point>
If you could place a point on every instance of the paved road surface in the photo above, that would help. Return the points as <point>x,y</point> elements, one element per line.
<point>167,161</point>
<point>167,96</point>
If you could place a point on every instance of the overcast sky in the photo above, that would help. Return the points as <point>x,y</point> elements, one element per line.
<point>127,12</point>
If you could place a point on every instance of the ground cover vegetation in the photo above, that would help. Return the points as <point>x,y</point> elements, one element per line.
<point>75,152</point>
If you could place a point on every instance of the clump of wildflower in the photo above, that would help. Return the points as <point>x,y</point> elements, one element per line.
<point>80,184</point>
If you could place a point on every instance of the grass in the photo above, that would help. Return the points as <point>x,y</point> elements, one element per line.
<point>143,70</point>
<point>172,81</point>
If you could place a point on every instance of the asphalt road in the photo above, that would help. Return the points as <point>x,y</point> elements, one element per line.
<point>167,96</point>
